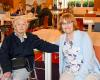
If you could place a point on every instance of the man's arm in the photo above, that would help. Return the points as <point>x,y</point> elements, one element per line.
<point>43,45</point>
<point>4,56</point>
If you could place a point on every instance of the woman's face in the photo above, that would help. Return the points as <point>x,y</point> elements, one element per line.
<point>21,26</point>
<point>67,26</point>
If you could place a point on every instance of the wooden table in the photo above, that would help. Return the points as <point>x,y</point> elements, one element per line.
<point>90,21</point>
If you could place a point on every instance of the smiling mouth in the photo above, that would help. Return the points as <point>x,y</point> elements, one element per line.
<point>67,28</point>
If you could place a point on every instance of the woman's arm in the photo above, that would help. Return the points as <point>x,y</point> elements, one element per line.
<point>88,55</point>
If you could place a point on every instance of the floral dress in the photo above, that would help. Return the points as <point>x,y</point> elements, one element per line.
<point>72,57</point>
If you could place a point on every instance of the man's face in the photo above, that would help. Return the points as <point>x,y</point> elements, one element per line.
<point>21,26</point>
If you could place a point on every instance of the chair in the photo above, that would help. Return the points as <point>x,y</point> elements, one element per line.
<point>55,57</point>
<point>37,66</point>
<point>90,15</point>
<point>97,27</point>
<point>35,75</point>
<point>80,23</point>
<point>47,35</point>
<point>45,22</point>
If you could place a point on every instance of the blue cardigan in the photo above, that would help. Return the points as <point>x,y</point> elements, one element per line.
<point>90,64</point>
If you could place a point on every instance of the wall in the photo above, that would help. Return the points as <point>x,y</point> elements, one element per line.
<point>96,4</point>
<point>49,2</point>
<point>30,2</point>
<point>16,2</point>
<point>9,2</point>
<point>81,10</point>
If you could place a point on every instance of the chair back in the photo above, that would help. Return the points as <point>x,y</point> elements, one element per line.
<point>80,23</point>
<point>45,22</point>
<point>90,15</point>
<point>97,27</point>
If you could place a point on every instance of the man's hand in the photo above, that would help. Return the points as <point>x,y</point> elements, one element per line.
<point>6,75</point>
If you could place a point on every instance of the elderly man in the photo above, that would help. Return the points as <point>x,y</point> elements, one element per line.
<point>16,52</point>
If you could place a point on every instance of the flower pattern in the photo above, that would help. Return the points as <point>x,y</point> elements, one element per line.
<point>72,57</point>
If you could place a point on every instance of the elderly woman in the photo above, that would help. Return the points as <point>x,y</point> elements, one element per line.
<point>16,52</point>
<point>77,60</point>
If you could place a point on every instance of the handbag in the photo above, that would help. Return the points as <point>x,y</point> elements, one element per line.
<point>18,63</point>
<point>21,62</point>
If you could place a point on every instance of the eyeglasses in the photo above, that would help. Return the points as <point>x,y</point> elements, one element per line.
<point>67,23</point>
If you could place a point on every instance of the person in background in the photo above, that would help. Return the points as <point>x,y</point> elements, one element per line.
<point>77,60</point>
<point>45,12</point>
<point>54,7</point>
<point>20,9</point>
<point>16,52</point>
<point>36,9</point>
<point>1,9</point>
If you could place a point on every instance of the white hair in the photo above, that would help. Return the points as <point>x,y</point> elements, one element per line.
<point>18,19</point>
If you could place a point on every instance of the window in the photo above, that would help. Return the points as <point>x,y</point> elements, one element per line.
<point>88,3</point>
<point>75,3</point>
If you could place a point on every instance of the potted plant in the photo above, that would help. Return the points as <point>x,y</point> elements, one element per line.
<point>71,3</point>
<point>78,4</point>
<point>91,3</point>
<point>85,4</point>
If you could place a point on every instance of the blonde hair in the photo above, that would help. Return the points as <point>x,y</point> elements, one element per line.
<point>71,17</point>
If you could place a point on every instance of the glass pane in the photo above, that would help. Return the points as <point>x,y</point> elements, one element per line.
<point>78,3</point>
<point>91,3</point>
<point>85,3</point>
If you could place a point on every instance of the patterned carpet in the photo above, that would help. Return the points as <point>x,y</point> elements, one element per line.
<point>41,72</point>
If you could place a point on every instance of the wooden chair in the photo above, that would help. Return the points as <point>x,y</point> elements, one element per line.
<point>45,22</point>
<point>38,65</point>
<point>90,15</point>
<point>80,23</point>
<point>50,35</point>
<point>97,27</point>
